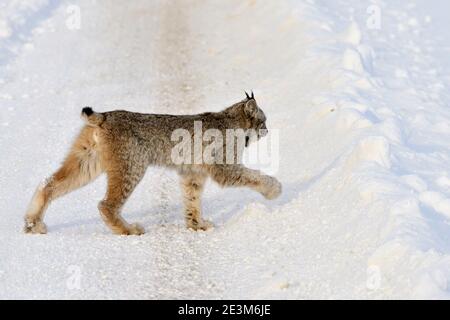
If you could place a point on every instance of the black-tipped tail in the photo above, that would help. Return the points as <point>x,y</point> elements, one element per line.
<point>91,117</point>
<point>87,111</point>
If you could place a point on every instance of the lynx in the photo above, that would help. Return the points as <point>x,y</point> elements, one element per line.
<point>123,144</point>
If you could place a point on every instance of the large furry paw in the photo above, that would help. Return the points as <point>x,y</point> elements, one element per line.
<point>34,226</point>
<point>272,188</point>
<point>136,229</point>
<point>201,225</point>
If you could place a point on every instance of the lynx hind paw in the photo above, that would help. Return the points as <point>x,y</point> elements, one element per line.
<point>34,227</point>
<point>203,225</point>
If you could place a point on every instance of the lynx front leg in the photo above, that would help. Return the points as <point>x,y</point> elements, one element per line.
<point>240,176</point>
<point>192,190</point>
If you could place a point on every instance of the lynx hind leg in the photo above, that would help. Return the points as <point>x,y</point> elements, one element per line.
<point>81,166</point>
<point>240,176</point>
<point>192,190</point>
<point>36,209</point>
<point>121,183</point>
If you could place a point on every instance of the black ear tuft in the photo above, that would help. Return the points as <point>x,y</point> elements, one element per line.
<point>247,95</point>
<point>253,95</point>
<point>87,111</point>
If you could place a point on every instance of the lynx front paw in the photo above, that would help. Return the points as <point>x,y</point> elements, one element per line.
<point>34,226</point>
<point>136,229</point>
<point>272,188</point>
<point>201,225</point>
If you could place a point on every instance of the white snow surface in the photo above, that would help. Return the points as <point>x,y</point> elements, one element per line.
<point>363,110</point>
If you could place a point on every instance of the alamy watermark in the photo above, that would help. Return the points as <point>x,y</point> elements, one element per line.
<point>373,22</point>
<point>73,20</point>
<point>373,280</point>
<point>73,282</point>
<point>258,148</point>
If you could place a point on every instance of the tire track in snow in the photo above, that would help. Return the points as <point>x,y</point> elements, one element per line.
<point>172,57</point>
<point>178,254</point>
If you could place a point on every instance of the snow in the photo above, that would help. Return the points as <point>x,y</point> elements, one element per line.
<point>357,90</point>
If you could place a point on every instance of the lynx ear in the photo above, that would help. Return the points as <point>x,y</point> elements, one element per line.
<point>251,109</point>
<point>249,97</point>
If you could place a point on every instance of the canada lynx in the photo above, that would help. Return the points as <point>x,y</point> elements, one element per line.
<point>123,144</point>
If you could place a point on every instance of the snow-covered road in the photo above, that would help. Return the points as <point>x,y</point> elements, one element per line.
<point>362,114</point>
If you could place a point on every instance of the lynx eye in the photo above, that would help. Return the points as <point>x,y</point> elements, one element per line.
<point>260,124</point>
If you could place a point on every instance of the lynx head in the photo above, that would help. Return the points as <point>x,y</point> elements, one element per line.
<point>255,120</point>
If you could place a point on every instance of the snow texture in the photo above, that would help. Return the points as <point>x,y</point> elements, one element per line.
<point>358,89</point>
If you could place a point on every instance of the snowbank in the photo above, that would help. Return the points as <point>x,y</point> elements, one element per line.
<point>393,87</point>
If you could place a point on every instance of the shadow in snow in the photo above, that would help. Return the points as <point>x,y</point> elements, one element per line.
<point>213,207</point>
